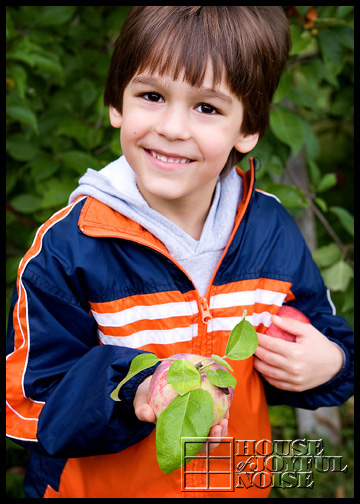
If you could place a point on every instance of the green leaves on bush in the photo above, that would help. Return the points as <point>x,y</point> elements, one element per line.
<point>311,126</point>
<point>288,128</point>
<point>57,58</point>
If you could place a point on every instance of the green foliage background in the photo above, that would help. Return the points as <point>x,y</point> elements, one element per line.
<point>57,59</point>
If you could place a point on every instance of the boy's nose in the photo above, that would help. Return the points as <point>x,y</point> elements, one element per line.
<point>174,124</point>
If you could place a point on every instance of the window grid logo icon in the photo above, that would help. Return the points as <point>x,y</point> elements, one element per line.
<point>207,479</point>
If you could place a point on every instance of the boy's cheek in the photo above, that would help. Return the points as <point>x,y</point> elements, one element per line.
<point>131,128</point>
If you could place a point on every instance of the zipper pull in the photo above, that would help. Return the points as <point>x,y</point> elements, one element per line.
<point>206,316</point>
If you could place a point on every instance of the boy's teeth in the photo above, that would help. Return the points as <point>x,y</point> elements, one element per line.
<point>168,160</point>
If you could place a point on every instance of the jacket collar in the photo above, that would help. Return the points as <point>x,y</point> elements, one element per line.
<point>98,220</point>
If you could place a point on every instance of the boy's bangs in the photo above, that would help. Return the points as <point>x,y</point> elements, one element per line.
<point>177,50</point>
<point>181,62</point>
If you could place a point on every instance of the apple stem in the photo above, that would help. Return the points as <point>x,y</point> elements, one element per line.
<point>200,366</point>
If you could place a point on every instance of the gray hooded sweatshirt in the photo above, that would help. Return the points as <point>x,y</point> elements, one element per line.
<point>115,186</point>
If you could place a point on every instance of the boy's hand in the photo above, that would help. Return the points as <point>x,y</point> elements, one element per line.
<point>311,361</point>
<point>143,410</point>
<point>145,413</point>
<point>218,431</point>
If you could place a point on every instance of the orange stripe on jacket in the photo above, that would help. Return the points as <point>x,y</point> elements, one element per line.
<point>22,411</point>
<point>155,298</point>
<point>253,284</point>
<point>147,325</point>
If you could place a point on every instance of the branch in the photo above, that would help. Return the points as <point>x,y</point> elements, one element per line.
<point>317,212</point>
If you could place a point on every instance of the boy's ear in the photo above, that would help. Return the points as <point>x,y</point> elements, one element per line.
<point>246,143</point>
<point>115,117</point>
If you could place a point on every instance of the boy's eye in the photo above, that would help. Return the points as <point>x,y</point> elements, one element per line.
<point>205,108</point>
<point>153,97</point>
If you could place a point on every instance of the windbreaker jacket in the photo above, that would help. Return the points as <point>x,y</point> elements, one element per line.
<point>95,290</point>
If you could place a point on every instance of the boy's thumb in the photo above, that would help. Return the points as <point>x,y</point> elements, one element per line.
<point>145,413</point>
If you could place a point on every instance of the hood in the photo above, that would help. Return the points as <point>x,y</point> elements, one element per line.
<point>115,186</point>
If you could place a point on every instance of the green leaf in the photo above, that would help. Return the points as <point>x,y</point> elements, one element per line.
<point>314,172</point>
<point>43,167</point>
<point>327,181</point>
<point>290,196</point>
<point>345,217</point>
<point>288,128</point>
<point>20,148</point>
<point>327,255</point>
<point>343,11</point>
<point>79,161</point>
<point>58,195</point>
<point>143,361</point>
<point>311,142</point>
<point>26,203</point>
<point>183,376</point>
<point>23,115</point>
<point>321,203</point>
<point>221,361</point>
<point>242,342</point>
<point>48,64</point>
<point>139,363</point>
<point>337,277</point>
<point>87,136</point>
<point>345,35</point>
<point>221,378</point>
<point>19,74</point>
<point>52,15</point>
<point>284,86</point>
<point>189,415</point>
<point>332,51</point>
<point>299,40</point>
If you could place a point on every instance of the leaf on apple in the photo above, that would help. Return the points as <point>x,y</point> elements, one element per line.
<point>183,376</point>
<point>242,342</point>
<point>139,363</point>
<point>221,378</point>
<point>189,415</point>
<point>221,361</point>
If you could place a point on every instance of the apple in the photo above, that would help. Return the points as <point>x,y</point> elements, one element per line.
<point>289,312</point>
<point>162,393</point>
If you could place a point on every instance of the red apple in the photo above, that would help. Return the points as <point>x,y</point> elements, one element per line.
<point>289,312</point>
<point>162,393</point>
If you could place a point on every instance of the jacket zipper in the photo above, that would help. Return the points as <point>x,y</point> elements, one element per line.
<point>206,316</point>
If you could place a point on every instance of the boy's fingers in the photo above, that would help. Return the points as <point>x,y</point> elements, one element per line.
<point>142,408</point>
<point>293,326</point>
<point>276,345</point>
<point>217,431</point>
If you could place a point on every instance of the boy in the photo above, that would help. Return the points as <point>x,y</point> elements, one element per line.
<point>161,251</point>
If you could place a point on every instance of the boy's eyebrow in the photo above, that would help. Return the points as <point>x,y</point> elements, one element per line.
<point>205,92</point>
<point>212,93</point>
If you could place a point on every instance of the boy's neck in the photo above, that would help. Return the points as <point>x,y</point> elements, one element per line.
<point>188,213</point>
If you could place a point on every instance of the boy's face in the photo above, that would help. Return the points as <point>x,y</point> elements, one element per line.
<point>177,137</point>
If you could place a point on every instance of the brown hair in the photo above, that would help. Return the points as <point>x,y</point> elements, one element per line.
<point>250,42</point>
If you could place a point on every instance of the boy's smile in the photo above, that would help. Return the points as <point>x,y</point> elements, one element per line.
<point>168,158</point>
<point>177,138</point>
